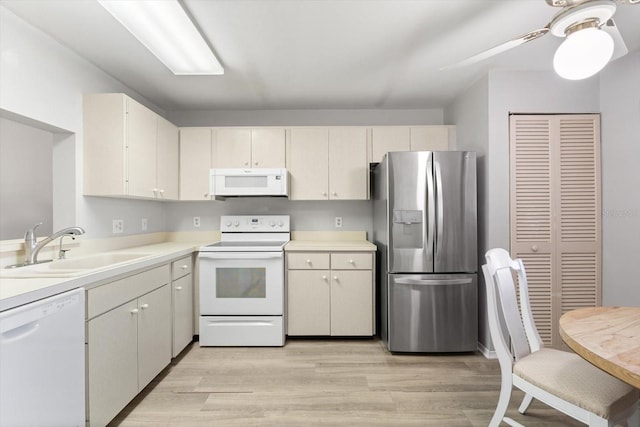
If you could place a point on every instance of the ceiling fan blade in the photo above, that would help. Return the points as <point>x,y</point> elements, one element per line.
<point>619,47</point>
<point>499,49</point>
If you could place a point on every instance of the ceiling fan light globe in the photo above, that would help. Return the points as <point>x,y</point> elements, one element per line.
<point>583,54</point>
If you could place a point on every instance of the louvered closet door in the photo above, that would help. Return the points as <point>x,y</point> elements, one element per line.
<point>555,206</point>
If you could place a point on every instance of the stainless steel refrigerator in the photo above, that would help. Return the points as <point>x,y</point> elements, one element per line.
<point>425,227</point>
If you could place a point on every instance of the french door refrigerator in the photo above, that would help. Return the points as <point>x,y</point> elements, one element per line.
<point>425,227</point>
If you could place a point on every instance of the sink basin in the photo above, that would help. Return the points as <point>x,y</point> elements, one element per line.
<point>73,267</point>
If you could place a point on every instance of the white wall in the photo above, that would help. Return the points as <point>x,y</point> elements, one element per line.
<point>620,106</point>
<point>43,81</point>
<point>26,156</point>
<point>307,117</point>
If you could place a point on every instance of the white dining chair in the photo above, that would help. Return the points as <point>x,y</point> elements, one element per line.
<point>557,378</point>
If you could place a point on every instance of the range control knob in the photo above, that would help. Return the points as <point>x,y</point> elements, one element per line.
<point>236,223</point>
<point>228,223</point>
<point>272,223</point>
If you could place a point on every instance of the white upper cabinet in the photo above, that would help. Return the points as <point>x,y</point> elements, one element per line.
<point>249,148</point>
<point>348,166</point>
<point>410,138</point>
<point>128,149</point>
<point>308,163</point>
<point>328,163</point>
<point>196,159</point>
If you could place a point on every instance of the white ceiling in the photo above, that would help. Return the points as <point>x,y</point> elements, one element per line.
<point>317,54</point>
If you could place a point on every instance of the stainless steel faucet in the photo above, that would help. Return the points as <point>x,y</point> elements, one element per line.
<point>32,247</point>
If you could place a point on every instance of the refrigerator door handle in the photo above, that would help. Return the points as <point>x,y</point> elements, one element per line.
<point>439,208</point>
<point>430,211</point>
<point>431,282</point>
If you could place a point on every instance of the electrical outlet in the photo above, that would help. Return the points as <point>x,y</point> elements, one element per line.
<point>118,226</point>
<point>196,221</point>
<point>338,221</point>
<point>143,224</point>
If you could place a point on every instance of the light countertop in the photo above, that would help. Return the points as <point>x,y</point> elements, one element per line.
<point>330,245</point>
<point>19,291</point>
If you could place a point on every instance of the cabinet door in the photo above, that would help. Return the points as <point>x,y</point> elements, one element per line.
<point>348,166</point>
<point>168,153</point>
<point>308,299</point>
<point>112,359</point>
<point>351,302</point>
<point>233,148</point>
<point>141,150</point>
<point>195,163</point>
<point>388,138</point>
<point>154,334</point>
<point>267,148</point>
<point>429,138</point>
<point>309,164</point>
<point>182,313</point>
<point>104,145</point>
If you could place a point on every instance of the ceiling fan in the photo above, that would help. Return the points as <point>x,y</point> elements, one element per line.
<point>592,38</point>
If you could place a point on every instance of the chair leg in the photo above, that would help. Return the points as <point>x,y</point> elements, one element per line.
<point>526,401</point>
<point>503,400</point>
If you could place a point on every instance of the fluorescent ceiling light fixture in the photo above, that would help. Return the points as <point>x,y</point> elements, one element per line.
<point>584,53</point>
<point>164,28</point>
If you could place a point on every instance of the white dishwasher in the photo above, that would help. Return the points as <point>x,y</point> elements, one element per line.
<point>42,369</point>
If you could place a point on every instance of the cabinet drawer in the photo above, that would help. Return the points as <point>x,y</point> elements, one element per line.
<point>110,295</point>
<point>352,261</point>
<point>181,267</point>
<point>308,261</point>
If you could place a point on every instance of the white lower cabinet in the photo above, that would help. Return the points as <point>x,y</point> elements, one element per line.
<point>128,339</point>
<point>330,294</point>
<point>182,319</point>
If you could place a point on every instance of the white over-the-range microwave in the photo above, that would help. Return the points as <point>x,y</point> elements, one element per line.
<point>248,182</point>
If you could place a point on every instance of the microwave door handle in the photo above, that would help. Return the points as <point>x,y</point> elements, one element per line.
<point>241,255</point>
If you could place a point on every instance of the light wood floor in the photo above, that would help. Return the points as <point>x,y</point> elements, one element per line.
<point>327,382</point>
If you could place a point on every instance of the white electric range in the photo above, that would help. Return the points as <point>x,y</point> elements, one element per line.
<point>242,282</point>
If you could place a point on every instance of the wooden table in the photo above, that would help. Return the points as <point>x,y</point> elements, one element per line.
<point>608,337</point>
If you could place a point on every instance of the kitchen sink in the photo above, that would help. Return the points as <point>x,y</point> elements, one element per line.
<point>73,267</point>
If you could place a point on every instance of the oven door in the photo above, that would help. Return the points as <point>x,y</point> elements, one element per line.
<point>241,283</point>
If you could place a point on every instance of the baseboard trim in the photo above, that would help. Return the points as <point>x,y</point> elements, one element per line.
<point>488,354</point>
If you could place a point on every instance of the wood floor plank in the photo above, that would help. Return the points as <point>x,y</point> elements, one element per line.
<point>326,382</point>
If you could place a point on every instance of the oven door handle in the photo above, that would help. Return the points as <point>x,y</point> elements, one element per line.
<point>241,255</point>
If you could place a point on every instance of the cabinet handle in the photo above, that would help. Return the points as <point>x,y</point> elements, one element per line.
<point>184,266</point>
<point>143,306</point>
<point>178,288</point>
<point>134,311</point>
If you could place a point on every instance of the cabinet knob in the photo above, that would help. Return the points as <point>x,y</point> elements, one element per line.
<point>178,288</point>
<point>155,190</point>
<point>534,248</point>
<point>351,262</point>
<point>143,306</point>
<point>246,163</point>
<point>335,278</point>
<point>324,277</point>
<point>308,261</point>
<point>333,193</point>
<point>206,195</point>
<point>161,191</point>
<point>256,163</point>
<point>324,193</point>
<point>184,266</point>
<point>134,311</point>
